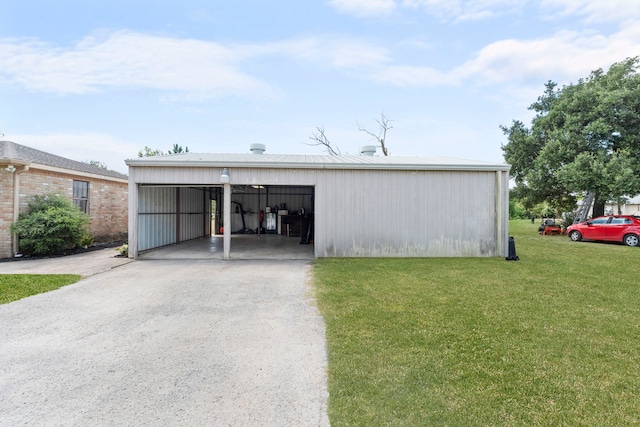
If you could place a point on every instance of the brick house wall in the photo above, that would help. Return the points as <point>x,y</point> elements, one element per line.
<point>108,209</point>
<point>108,206</point>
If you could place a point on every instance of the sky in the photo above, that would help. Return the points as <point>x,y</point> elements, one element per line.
<point>100,80</point>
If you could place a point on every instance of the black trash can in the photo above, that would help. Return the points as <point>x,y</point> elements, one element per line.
<point>512,250</point>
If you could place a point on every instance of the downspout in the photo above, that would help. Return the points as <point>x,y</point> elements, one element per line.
<point>16,203</point>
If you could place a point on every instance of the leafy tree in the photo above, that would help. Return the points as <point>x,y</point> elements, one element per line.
<point>517,210</point>
<point>51,224</point>
<point>178,149</point>
<point>96,163</point>
<point>150,152</point>
<point>584,137</point>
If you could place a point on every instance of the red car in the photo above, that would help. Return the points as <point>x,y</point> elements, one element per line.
<point>616,228</point>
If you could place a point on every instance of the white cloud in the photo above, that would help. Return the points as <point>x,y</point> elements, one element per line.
<point>475,10</point>
<point>364,7</point>
<point>81,147</point>
<point>196,69</point>
<point>565,55</point>
<point>465,10</point>
<point>595,10</point>
<point>446,10</point>
<point>125,60</point>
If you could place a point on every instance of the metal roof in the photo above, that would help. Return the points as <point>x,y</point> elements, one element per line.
<point>634,200</point>
<point>306,161</point>
<point>10,152</point>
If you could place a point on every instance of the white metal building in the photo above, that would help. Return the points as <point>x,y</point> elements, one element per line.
<point>631,207</point>
<point>345,206</point>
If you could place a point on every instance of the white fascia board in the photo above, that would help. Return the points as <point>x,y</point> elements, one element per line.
<point>321,165</point>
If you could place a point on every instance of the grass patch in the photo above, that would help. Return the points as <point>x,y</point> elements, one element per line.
<point>551,339</point>
<point>17,286</point>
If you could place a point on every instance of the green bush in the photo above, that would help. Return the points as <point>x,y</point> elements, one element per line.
<point>51,224</point>
<point>123,250</point>
<point>86,240</point>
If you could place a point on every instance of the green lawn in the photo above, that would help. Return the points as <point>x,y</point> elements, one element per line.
<point>552,339</point>
<point>16,286</point>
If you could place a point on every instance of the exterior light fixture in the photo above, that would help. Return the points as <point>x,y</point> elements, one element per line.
<point>224,176</point>
<point>10,168</point>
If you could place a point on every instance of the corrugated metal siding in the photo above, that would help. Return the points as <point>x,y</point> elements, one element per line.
<point>173,175</point>
<point>397,213</point>
<point>156,230</point>
<point>157,217</point>
<point>258,176</point>
<point>157,222</point>
<point>193,212</point>
<point>211,176</point>
<point>502,215</point>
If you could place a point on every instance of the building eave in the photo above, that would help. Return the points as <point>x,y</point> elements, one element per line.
<point>318,162</point>
<point>77,173</point>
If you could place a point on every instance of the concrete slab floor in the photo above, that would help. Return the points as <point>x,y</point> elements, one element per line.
<point>243,246</point>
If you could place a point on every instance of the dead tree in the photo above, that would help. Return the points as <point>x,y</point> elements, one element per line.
<point>384,125</point>
<point>321,139</point>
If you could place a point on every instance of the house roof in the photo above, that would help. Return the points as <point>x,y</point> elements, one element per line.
<point>302,161</point>
<point>10,152</point>
<point>634,201</point>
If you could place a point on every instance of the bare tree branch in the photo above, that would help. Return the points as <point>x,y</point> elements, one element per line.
<point>384,125</point>
<point>321,139</point>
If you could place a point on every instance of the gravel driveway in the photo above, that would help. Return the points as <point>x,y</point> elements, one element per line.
<point>190,343</point>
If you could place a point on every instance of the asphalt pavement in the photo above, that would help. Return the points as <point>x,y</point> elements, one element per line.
<point>164,343</point>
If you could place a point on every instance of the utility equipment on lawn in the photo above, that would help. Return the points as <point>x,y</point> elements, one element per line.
<point>549,227</point>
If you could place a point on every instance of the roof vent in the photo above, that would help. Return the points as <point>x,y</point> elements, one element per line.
<point>257,148</point>
<point>368,150</point>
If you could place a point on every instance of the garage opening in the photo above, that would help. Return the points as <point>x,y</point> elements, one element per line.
<point>262,210</point>
<point>266,222</point>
